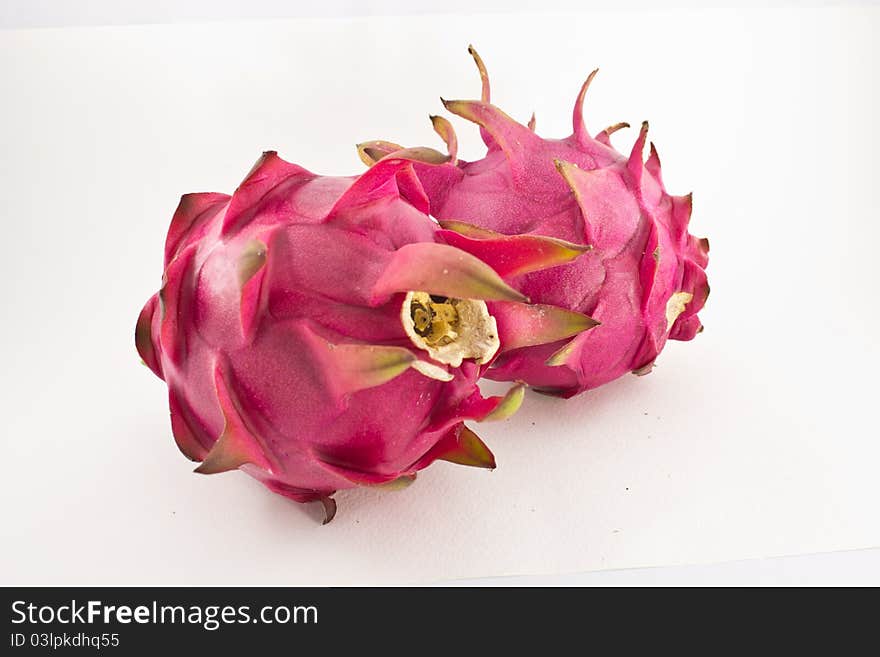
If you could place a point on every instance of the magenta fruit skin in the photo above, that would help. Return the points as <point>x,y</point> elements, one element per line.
<point>644,280</point>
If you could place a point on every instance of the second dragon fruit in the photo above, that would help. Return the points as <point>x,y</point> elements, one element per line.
<point>644,279</point>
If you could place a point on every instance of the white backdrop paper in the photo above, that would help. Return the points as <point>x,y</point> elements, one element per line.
<point>753,440</point>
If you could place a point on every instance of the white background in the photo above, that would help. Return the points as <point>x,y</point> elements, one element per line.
<point>61,13</point>
<point>754,440</point>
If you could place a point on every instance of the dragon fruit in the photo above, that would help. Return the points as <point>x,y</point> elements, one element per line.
<point>644,279</point>
<point>319,333</point>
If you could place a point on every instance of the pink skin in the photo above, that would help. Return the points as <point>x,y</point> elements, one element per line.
<point>273,306</point>
<point>582,190</point>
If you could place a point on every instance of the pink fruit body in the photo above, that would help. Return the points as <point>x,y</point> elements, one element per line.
<point>643,280</point>
<point>318,333</point>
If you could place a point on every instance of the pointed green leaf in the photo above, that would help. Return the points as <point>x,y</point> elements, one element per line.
<point>508,405</point>
<point>470,450</point>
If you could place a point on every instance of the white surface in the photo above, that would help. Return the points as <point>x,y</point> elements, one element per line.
<point>754,440</point>
<point>849,568</point>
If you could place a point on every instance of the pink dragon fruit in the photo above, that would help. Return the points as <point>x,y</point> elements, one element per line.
<point>319,333</point>
<point>644,280</point>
